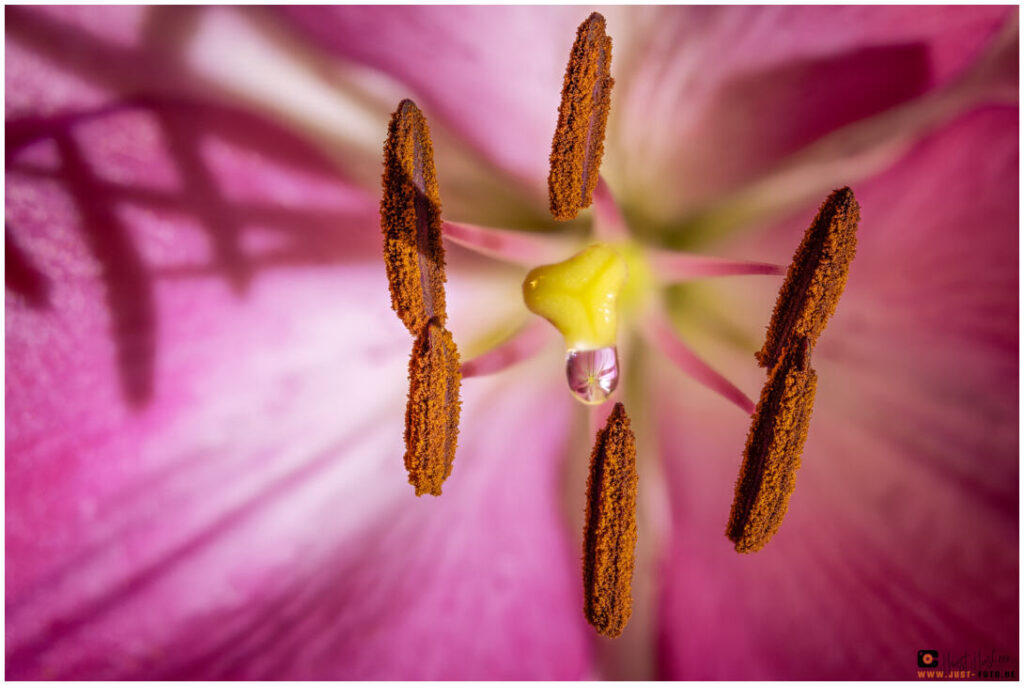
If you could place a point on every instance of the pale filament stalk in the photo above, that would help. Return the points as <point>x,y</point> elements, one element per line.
<point>515,247</point>
<point>659,333</point>
<point>522,345</point>
<point>673,267</point>
<point>609,222</point>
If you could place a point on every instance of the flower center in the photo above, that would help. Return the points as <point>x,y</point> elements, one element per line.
<point>579,297</point>
<point>584,297</point>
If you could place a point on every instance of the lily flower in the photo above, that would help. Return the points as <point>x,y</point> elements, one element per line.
<point>206,386</point>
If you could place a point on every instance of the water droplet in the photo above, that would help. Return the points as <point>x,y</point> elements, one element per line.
<point>592,374</point>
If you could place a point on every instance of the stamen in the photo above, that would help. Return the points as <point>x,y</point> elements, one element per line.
<point>673,267</point>
<point>772,455</point>
<point>815,279</point>
<point>578,145</point>
<point>514,247</point>
<point>609,533</point>
<point>658,332</point>
<point>609,224</point>
<point>410,214</point>
<point>432,414</point>
<point>522,345</point>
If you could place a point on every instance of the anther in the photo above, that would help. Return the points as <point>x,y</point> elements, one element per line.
<point>432,414</point>
<point>815,279</point>
<point>578,143</point>
<point>609,533</point>
<point>772,455</point>
<point>410,214</point>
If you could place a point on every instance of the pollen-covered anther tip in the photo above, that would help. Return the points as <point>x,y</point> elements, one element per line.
<point>410,218</point>
<point>815,279</point>
<point>609,533</point>
<point>772,454</point>
<point>578,144</point>
<point>432,413</point>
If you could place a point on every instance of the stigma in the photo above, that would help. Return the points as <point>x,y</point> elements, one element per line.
<point>579,296</point>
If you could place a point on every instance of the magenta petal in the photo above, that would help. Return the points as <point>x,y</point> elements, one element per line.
<point>719,95</point>
<point>902,533</point>
<point>67,59</point>
<point>204,397</point>
<point>492,74</point>
<point>203,429</point>
<point>192,265</point>
<point>478,584</point>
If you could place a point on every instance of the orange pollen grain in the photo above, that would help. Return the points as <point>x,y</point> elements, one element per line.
<point>609,533</point>
<point>410,218</point>
<point>815,279</point>
<point>578,144</point>
<point>772,455</point>
<point>432,413</point>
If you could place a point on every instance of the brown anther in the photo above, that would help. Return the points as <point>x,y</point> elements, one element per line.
<point>815,279</point>
<point>578,144</point>
<point>609,533</point>
<point>410,217</point>
<point>772,456</point>
<point>432,414</point>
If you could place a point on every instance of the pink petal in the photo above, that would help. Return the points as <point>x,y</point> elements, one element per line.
<point>720,95</point>
<point>205,388</point>
<point>478,584</point>
<point>64,59</point>
<point>494,74</point>
<point>902,532</point>
<point>133,387</point>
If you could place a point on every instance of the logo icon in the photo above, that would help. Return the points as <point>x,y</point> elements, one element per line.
<point>928,659</point>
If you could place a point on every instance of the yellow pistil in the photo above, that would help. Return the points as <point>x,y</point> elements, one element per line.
<point>772,455</point>
<point>579,296</point>
<point>641,285</point>
<point>578,144</point>
<point>410,215</point>
<point>816,277</point>
<point>432,414</point>
<point>609,533</point>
